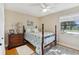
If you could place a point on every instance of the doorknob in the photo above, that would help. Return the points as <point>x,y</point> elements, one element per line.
<point>1,37</point>
<point>0,44</point>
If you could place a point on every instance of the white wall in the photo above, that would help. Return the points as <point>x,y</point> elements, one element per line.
<point>63,38</point>
<point>2,47</point>
<point>12,17</point>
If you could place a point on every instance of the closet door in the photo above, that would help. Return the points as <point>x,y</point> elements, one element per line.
<point>2,48</point>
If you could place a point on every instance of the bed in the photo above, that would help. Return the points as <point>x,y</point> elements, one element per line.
<point>40,39</point>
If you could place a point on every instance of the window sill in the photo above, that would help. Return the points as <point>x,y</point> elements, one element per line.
<point>72,32</point>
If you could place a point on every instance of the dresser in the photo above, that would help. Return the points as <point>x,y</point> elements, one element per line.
<point>15,40</point>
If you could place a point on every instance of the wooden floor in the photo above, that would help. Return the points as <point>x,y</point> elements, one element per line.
<point>11,52</point>
<point>14,51</point>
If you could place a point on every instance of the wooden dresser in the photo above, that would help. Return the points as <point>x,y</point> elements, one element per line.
<point>15,40</point>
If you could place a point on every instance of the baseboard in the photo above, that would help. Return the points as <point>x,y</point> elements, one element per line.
<point>63,44</point>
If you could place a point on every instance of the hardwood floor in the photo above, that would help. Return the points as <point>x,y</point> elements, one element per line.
<point>11,52</point>
<point>14,51</point>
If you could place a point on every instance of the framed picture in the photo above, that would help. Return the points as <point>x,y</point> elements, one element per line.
<point>30,23</point>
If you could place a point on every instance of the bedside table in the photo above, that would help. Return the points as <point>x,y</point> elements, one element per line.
<point>15,40</point>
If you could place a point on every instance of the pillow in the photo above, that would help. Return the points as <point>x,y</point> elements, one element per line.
<point>36,30</point>
<point>28,30</point>
<point>32,30</point>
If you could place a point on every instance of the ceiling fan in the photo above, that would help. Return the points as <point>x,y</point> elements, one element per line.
<point>45,7</point>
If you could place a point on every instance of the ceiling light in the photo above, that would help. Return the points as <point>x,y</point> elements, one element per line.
<point>45,10</point>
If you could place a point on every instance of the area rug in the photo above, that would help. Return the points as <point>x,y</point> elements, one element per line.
<point>61,50</point>
<point>24,50</point>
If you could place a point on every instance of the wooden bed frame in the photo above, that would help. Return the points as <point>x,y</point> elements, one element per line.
<point>42,44</point>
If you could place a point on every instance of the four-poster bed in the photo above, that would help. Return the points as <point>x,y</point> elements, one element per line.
<point>41,39</point>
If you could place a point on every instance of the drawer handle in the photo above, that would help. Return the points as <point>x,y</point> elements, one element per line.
<point>2,38</point>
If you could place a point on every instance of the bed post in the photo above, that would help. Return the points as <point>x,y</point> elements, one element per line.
<point>55,35</point>
<point>42,44</point>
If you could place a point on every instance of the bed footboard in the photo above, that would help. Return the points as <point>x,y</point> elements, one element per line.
<point>42,44</point>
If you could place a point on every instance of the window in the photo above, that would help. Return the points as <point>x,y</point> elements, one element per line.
<point>70,26</point>
<point>70,23</point>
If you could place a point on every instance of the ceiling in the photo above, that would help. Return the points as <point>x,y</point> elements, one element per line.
<point>35,9</point>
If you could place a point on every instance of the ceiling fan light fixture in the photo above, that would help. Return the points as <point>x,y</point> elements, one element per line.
<point>45,7</point>
<point>45,10</point>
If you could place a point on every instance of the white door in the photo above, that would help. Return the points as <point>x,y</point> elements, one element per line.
<point>2,50</point>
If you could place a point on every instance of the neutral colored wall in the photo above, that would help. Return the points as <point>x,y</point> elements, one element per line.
<point>63,38</point>
<point>12,17</point>
<point>49,21</point>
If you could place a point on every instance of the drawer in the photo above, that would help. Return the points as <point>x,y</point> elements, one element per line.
<point>17,36</point>
<point>15,40</point>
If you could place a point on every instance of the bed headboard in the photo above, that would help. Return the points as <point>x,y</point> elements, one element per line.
<point>24,30</point>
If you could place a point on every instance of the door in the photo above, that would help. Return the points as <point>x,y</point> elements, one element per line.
<point>2,50</point>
